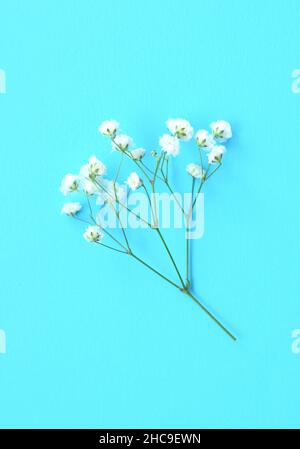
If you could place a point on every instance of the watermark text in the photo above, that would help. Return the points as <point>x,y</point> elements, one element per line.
<point>295,86</point>
<point>2,82</point>
<point>296,341</point>
<point>2,342</point>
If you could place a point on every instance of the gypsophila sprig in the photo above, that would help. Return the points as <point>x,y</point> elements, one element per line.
<point>104,195</point>
<point>221,130</point>
<point>69,184</point>
<point>109,128</point>
<point>170,144</point>
<point>134,181</point>
<point>92,169</point>
<point>121,142</point>
<point>216,154</point>
<point>71,208</point>
<point>138,153</point>
<point>92,234</point>
<point>180,128</point>
<point>196,171</point>
<point>204,139</point>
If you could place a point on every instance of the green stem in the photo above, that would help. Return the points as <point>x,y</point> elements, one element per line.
<point>155,271</point>
<point>90,208</point>
<point>119,168</point>
<point>211,315</point>
<point>173,194</point>
<point>170,255</point>
<point>201,161</point>
<point>112,237</point>
<point>110,247</point>
<point>122,229</point>
<point>94,222</point>
<point>198,192</point>
<point>187,240</point>
<point>150,204</point>
<point>123,205</point>
<point>130,157</point>
<point>161,157</point>
<point>156,229</point>
<point>213,172</point>
<point>188,293</point>
<point>155,219</point>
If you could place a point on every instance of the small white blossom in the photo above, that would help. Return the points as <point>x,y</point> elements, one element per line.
<point>180,128</point>
<point>121,142</point>
<point>195,171</point>
<point>93,168</point>
<point>69,184</point>
<point>221,130</point>
<point>109,128</point>
<point>216,154</point>
<point>204,139</point>
<point>138,154</point>
<point>71,208</point>
<point>134,181</point>
<point>93,234</point>
<point>169,144</point>
<point>89,187</point>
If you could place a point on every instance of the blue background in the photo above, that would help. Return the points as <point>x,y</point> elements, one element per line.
<point>93,339</point>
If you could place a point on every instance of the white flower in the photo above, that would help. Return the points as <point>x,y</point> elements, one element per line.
<point>169,144</point>
<point>69,184</point>
<point>71,208</point>
<point>180,128</point>
<point>216,154</point>
<point>109,128</point>
<point>93,234</point>
<point>110,193</point>
<point>93,168</point>
<point>221,130</point>
<point>89,187</point>
<point>138,154</point>
<point>204,139</point>
<point>134,181</point>
<point>195,171</point>
<point>121,142</point>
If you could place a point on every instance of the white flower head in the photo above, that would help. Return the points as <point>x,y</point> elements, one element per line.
<point>93,168</point>
<point>221,130</point>
<point>196,171</point>
<point>169,144</point>
<point>109,128</point>
<point>69,184</point>
<point>138,154</point>
<point>121,142</point>
<point>216,154</point>
<point>180,128</point>
<point>204,139</point>
<point>93,234</point>
<point>111,193</point>
<point>89,187</point>
<point>134,181</point>
<point>71,208</point>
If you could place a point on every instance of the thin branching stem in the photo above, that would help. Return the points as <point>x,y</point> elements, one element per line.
<point>155,271</point>
<point>110,247</point>
<point>187,239</point>
<point>211,315</point>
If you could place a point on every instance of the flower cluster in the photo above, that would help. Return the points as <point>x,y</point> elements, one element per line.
<point>90,179</point>
<point>93,184</point>
<point>93,234</point>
